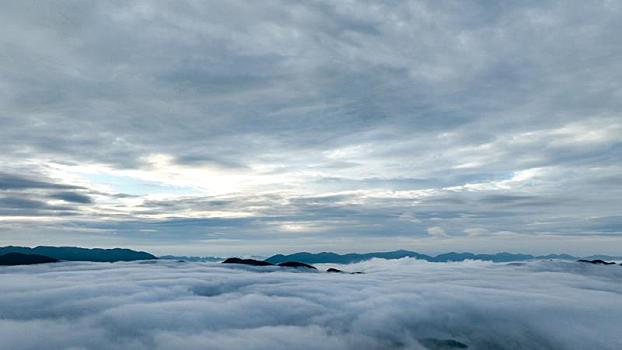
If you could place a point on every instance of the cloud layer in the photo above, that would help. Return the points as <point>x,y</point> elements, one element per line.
<point>310,123</point>
<point>399,304</point>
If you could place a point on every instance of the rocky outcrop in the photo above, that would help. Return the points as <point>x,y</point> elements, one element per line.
<point>597,262</point>
<point>251,262</point>
<point>297,265</point>
<point>334,270</point>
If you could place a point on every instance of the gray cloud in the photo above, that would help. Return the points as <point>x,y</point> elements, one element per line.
<point>72,197</point>
<point>19,182</point>
<point>397,304</point>
<point>320,98</point>
<point>30,196</point>
<point>20,206</point>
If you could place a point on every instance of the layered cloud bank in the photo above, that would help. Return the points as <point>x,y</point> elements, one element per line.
<point>400,304</point>
<point>280,125</point>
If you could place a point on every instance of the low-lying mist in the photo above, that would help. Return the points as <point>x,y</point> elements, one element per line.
<point>398,304</point>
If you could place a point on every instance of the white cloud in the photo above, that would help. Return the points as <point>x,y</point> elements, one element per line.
<point>435,231</point>
<point>475,231</point>
<point>395,304</point>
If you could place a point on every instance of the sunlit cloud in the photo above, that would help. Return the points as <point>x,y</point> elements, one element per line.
<point>333,121</point>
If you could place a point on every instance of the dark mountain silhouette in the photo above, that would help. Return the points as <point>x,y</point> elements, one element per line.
<point>81,254</point>
<point>596,262</point>
<point>334,258</point>
<point>12,259</point>
<point>251,262</point>
<point>602,257</point>
<point>334,270</point>
<point>296,264</point>
<point>498,257</point>
<point>557,257</point>
<point>321,258</point>
<point>192,258</point>
<point>442,344</point>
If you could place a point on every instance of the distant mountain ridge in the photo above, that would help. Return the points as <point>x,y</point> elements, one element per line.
<point>192,258</point>
<point>81,254</point>
<point>14,259</point>
<point>334,258</point>
<point>122,254</point>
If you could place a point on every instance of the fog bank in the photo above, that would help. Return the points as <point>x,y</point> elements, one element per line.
<point>398,304</point>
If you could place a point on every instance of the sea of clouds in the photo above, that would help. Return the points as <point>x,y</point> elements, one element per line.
<point>397,304</point>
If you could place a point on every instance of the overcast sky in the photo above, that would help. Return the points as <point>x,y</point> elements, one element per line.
<point>231,127</point>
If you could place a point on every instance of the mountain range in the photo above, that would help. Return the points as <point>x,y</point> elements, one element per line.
<point>334,258</point>
<point>80,254</point>
<point>192,258</point>
<point>120,254</point>
<point>13,259</point>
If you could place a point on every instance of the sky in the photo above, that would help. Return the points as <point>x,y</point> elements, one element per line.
<point>243,127</point>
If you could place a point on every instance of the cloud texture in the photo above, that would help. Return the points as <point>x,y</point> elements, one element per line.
<point>395,305</point>
<point>311,123</point>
